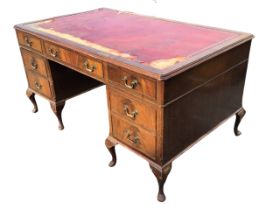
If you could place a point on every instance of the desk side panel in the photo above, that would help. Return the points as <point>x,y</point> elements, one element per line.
<point>192,78</point>
<point>195,114</point>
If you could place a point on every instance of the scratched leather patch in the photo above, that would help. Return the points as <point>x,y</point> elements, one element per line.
<point>150,41</point>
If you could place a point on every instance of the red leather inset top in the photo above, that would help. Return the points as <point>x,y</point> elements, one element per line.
<point>146,39</point>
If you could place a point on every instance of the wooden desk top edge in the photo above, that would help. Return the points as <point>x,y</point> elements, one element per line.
<point>149,71</point>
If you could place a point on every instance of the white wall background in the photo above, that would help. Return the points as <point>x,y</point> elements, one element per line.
<point>43,168</point>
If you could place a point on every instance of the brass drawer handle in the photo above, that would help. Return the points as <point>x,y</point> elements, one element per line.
<point>38,85</point>
<point>88,67</point>
<point>132,84</point>
<point>27,41</point>
<point>134,139</point>
<point>33,64</point>
<point>131,115</point>
<point>53,52</point>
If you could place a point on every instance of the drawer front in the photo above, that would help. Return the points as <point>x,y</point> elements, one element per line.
<point>39,84</point>
<point>61,54</point>
<point>132,82</point>
<point>90,66</point>
<point>139,113</point>
<point>134,137</point>
<point>29,41</point>
<point>34,62</point>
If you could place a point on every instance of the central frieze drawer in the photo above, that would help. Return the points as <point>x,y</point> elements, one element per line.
<point>91,66</point>
<point>61,54</point>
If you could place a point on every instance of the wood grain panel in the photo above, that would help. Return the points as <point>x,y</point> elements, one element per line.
<point>145,86</point>
<point>188,119</point>
<point>34,62</point>
<point>29,41</point>
<point>134,137</point>
<point>61,54</point>
<point>144,115</point>
<point>91,66</point>
<point>39,84</point>
<point>182,83</point>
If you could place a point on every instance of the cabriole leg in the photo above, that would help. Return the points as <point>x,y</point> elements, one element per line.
<point>111,147</point>
<point>57,110</point>
<point>239,115</point>
<point>31,97</point>
<point>161,175</point>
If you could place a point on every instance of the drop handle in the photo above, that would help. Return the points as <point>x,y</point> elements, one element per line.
<point>88,67</point>
<point>129,114</point>
<point>132,85</point>
<point>38,86</point>
<point>53,52</point>
<point>132,138</point>
<point>27,41</point>
<point>33,64</point>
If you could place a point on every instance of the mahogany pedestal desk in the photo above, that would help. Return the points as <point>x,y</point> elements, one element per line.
<point>168,83</point>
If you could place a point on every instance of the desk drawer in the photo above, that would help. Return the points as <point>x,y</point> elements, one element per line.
<point>34,62</point>
<point>134,137</point>
<point>29,41</point>
<point>61,54</point>
<point>132,82</point>
<point>132,110</point>
<point>39,84</point>
<point>90,66</point>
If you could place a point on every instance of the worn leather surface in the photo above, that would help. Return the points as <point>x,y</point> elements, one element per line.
<point>144,39</point>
